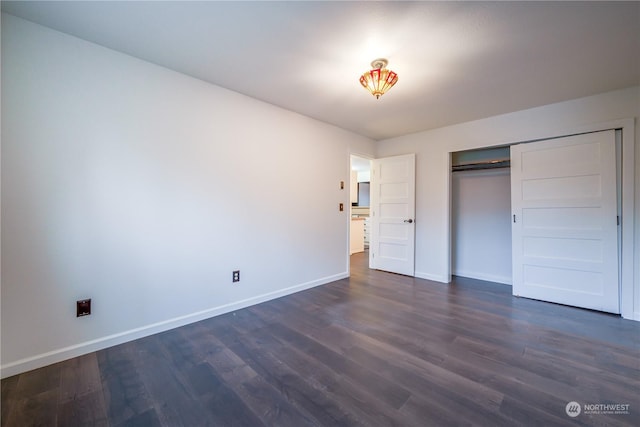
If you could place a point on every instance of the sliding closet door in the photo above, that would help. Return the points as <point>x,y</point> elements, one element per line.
<point>564,229</point>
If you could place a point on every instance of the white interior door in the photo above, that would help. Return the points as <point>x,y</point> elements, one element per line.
<point>564,229</point>
<point>392,216</point>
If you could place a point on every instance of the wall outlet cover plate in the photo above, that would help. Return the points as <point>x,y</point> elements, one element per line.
<point>83,307</point>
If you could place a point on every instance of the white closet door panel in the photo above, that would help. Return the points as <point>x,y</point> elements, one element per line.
<point>563,194</point>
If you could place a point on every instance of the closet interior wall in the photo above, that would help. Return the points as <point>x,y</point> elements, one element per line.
<point>481,215</point>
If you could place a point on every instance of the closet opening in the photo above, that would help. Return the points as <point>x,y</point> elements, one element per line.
<point>481,214</point>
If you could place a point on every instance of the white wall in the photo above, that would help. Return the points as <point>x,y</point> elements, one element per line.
<point>481,224</point>
<point>433,149</point>
<point>143,189</point>
<point>364,176</point>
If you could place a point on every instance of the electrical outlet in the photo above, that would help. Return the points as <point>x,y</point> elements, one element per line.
<point>83,307</point>
<point>236,276</point>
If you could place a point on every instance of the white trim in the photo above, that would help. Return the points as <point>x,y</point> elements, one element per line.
<point>80,349</point>
<point>627,302</point>
<point>627,308</point>
<point>448,208</point>
<point>504,280</point>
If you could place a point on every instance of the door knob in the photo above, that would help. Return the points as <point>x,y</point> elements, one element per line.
<point>408,220</point>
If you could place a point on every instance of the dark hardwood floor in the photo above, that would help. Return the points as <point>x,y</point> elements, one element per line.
<point>377,349</point>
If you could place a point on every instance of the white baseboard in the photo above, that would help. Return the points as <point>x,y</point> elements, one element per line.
<point>433,277</point>
<point>505,280</point>
<point>58,355</point>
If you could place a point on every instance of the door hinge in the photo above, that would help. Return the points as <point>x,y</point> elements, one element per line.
<point>514,218</point>
<point>618,219</point>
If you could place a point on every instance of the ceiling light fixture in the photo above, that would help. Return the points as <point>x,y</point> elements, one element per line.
<point>379,79</point>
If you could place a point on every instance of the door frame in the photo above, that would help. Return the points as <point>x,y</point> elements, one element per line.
<point>628,202</point>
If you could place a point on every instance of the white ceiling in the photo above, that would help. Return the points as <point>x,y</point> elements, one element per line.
<point>456,61</point>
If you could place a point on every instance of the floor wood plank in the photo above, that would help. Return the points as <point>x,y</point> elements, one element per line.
<point>37,410</point>
<point>79,376</point>
<point>85,410</point>
<point>376,349</point>
<point>7,396</point>
<point>125,393</point>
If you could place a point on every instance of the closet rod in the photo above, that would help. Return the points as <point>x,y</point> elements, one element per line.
<point>491,164</point>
